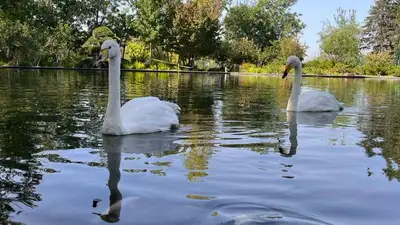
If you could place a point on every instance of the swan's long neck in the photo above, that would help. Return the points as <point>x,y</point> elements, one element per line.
<point>114,91</point>
<point>296,89</point>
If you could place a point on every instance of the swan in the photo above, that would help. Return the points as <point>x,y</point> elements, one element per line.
<point>139,115</point>
<point>310,101</point>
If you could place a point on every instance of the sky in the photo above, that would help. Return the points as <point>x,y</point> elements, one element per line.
<point>316,11</point>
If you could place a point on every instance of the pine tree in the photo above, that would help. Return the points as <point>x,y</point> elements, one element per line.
<point>381,29</point>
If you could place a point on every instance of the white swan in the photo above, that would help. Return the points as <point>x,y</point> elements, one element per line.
<point>311,101</point>
<point>139,115</point>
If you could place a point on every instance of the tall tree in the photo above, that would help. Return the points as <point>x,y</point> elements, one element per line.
<point>263,22</point>
<point>340,41</point>
<point>240,50</point>
<point>283,48</point>
<point>381,29</point>
<point>196,28</point>
<point>154,18</point>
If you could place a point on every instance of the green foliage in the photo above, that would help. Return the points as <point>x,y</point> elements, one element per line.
<point>381,29</point>
<point>240,50</point>
<point>86,62</point>
<point>206,64</point>
<point>99,35</point>
<point>138,65</point>
<point>283,48</point>
<point>258,35</point>
<point>188,28</point>
<point>159,66</point>
<point>264,22</point>
<point>340,42</point>
<point>395,71</point>
<point>59,45</point>
<point>196,28</point>
<point>275,67</point>
<point>317,66</point>
<point>136,51</point>
<point>379,63</point>
<point>150,19</point>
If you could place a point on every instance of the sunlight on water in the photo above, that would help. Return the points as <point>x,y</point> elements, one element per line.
<point>238,157</point>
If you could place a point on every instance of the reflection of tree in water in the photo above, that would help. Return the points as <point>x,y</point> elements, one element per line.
<point>253,104</point>
<point>41,111</point>
<point>197,98</point>
<point>19,172</point>
<point>381,125</point>
<point>61,107</point>
<point>197,157</point>
<point>254,101</point>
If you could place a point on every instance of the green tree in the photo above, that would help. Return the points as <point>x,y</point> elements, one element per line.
<point>136,50</point>
<point>154,19</point>
<point>17,44</point>
<point>283,48</point>
<point>60,44</point>
<point>240,50</point>
<point>340,41</point>
<point>99,35</point>
<point>196,29</point>
<point>263,22</point>
<point>121,23</point>
<point>381,29</point>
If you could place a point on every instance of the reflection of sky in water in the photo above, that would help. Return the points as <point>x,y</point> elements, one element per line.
<point>238,157</point>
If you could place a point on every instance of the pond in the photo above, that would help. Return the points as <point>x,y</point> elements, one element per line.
<point>238,157</point>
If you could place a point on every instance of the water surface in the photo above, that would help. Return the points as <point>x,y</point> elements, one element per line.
<point>238,158</point>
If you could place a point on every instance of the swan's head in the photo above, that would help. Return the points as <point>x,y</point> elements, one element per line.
<point>292,61</point>
<point>109,49</point>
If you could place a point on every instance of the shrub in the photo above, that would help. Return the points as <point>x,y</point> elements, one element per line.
<point>378,63</point>
<point>138,65</point>
<point>86,62</point>
<point>250,68</point>
<point>275,67</point>
<point>159,66</point>
<point>395,71</point>
<point>136,51</point>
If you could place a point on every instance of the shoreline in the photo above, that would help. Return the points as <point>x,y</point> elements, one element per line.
<point>105,69</point>
<point>198,72</point>
<point>318,76</point>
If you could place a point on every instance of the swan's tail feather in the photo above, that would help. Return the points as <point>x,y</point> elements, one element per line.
<point>174,106</point>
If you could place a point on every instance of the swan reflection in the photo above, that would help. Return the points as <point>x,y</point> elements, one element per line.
<point>138,144</point>
<point>313,119</point>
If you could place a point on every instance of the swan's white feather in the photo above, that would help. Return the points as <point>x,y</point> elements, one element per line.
<point>318,101</point>
<point>148,115</point>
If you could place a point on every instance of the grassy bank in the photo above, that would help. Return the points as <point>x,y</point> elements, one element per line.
<point>325,67</point>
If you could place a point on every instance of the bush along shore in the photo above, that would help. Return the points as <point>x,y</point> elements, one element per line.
<point>379,64</point>
<point>198,35</point>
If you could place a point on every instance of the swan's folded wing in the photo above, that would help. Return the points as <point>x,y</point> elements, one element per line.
<point>138,102</point>
<point>146,117</point>
<point>317,101</point>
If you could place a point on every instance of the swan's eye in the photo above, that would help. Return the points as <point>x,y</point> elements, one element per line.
<point>109,47</point>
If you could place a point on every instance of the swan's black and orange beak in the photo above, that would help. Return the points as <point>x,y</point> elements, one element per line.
<point>286,72</point>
